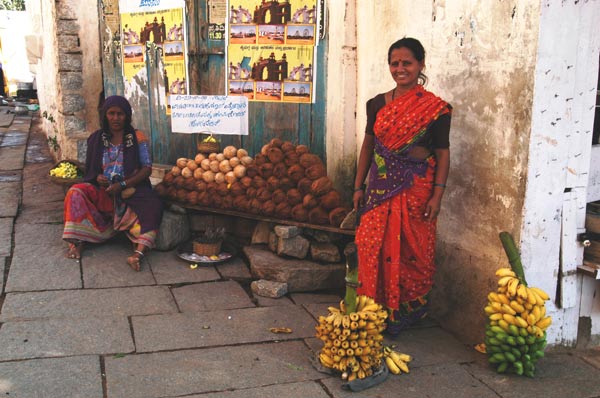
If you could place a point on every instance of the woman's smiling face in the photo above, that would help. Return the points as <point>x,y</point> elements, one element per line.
<point>405,68</point>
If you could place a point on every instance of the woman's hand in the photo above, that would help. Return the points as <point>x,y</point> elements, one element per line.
<point>358,199</point>
<point>102,180</point>
<point>114,189</point>
<point>432,209</point>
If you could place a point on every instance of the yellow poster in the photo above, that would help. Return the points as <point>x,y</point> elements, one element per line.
<point>271,49</point>
<point>164,28</point>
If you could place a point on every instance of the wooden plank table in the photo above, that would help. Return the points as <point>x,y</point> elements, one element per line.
<point>259,217</point>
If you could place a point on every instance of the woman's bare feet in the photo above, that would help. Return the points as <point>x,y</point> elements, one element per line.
<point>75,250</point>
<point>135,260</point>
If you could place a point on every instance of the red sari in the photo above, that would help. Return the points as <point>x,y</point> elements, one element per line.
<point>395,242</point>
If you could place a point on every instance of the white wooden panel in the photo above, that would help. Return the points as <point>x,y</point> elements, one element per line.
<point>570,256</point>
<point>593,187</point>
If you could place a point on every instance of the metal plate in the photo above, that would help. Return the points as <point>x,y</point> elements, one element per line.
<point>185,252</point>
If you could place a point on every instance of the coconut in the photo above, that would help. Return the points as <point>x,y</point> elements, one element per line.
<point>176,171</point>
<point>192,165</point>
<point>229,151</point>
<point>214,166</point>
<point>230,177</point>
<point>187,173</point>
<point>239,171</point>
<point>205,164</point>
<point>208,176</point>
<point>181,162</point>
<point>199,158</point>
<point>234,161</point>
<point>224,166</point>
<point>241,153</point>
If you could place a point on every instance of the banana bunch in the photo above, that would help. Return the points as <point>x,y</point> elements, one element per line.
<point>516,330</point>
<point>65,170</point>
<point>353,343</point>
<point>396,362</point>
<point>210,138</point>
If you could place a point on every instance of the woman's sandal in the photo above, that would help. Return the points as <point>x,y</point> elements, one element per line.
<point>74,251</point>
<point>135,260</point>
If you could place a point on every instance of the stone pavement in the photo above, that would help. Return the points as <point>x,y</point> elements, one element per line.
<point>95,328</point>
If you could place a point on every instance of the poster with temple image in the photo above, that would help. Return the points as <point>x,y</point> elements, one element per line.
<point>149,25</point>
<point>271,49</point>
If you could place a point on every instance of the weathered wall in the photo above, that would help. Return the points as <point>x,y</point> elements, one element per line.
<point>69,69</point>
<point>561,137</point>
<point>481,58</point>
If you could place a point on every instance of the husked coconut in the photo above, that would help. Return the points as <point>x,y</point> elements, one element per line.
<point>187,173</point>
<point>214,166</point>
<point>176,171</point>
<point>208,176</point>
<point>181,162</point>
<point>241,153</point>
<point>234,161</point>
<point>199,158</point>
<point>205,164</point>
<point>219,178</point>
<point>192,165</point>
<point>229,151</point>
<point>220,157</point>
<point>224,166</point>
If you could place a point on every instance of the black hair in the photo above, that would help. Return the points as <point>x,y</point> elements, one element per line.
<point>417,50</point>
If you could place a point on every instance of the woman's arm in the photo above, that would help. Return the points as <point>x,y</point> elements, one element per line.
<point>364,161</point>
<point>130,182</point>
<point>442,156</point>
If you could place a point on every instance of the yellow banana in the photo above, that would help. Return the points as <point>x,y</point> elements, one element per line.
<point>496,316</point>
<point>501,272</point>
<point>522,291</point>
<point>510,319</point>
<point>504,280</point>
<point>489,310</point>
<point>496,306</point>
<point>393,368</point>
<point>544,323</point>
<point>513,284</point>
<point>360,302</point>
<point>325,360</point>
<point>346,322</point>
<point>342,307</point>
<point>542,311</point>
<point>543,295</point>
<point>507,309</point>
<point>399,362</point>
<point>504,325</point>
<point>517,307</point>
<point>537,313</point>
<point>538,299</point>
<point>520,322</point>
<point>373,307</point>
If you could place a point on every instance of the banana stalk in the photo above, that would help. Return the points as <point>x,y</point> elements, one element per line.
<point>351,277</point>
<point>513,256</point>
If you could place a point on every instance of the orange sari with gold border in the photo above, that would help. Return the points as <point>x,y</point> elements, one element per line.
<point>395,242</point>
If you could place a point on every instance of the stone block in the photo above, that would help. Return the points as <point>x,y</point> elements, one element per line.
<point>70,62</point>
<point>74,125</point>
<point>325,252</point>
<point>174,230</point>
<point>69,44</point>
<point>261,233</point>
<point>66,27</point>
<point>72,103</point>
<point>287,231</point>
<point>300,275</point>
<point>270,289</point>
<point>71,81</point>
<point>65,11</point>
<point>293,247</point>
<point>273,242</point>
<point>318,235</point>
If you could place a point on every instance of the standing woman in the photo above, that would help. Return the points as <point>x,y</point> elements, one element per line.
<point>406,155</point>
<point>116,194</point>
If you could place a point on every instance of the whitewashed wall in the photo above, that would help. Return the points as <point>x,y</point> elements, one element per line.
<point>559,161</point>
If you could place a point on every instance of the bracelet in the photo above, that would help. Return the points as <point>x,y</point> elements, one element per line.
<point>440,185</point>
<point>123,184</point>
<point>361,188</point>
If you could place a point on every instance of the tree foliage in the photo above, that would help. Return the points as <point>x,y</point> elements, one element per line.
<point>13,5</point>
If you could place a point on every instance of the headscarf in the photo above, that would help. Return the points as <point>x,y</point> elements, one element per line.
<point>117,100</point>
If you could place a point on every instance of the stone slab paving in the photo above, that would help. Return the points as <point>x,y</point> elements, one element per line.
<point>38,189</point>
<point>47,213</point>
<point>60,337</point>
<point>3,261</point>
<point>592,357</point>
<point>39,261</point>
<point>10,176</point>
<point>15,138</point>
<point>211,296</point>
<point>228,327</point>
<point>168,269</point>
<point>315,298</point>
<point>556,376</point>
<point>235,269</point>
<point>308,389</point>
<point>6,229</point>
<point>74,377</point>
<point>317,309</point>
<point>143,300</point>
<point>169,374</point>
<point>272,302</point>
<point>438,381</point>
<point>13,157</point>
<point>432,346</point>
<point>105,265</point>
<point>10,195</point>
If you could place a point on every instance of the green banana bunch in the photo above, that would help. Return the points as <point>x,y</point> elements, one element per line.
<point>352,343</point>
<point>515,335</point>
<point>65,170</point>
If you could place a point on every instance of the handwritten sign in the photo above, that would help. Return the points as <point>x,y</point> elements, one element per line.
<point>209,114</point>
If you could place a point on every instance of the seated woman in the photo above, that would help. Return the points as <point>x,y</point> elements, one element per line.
<point>116,194</point>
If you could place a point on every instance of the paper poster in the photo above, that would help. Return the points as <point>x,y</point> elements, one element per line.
<point>271,47</point>
<point>212,114</point>
<point>160,23</point>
